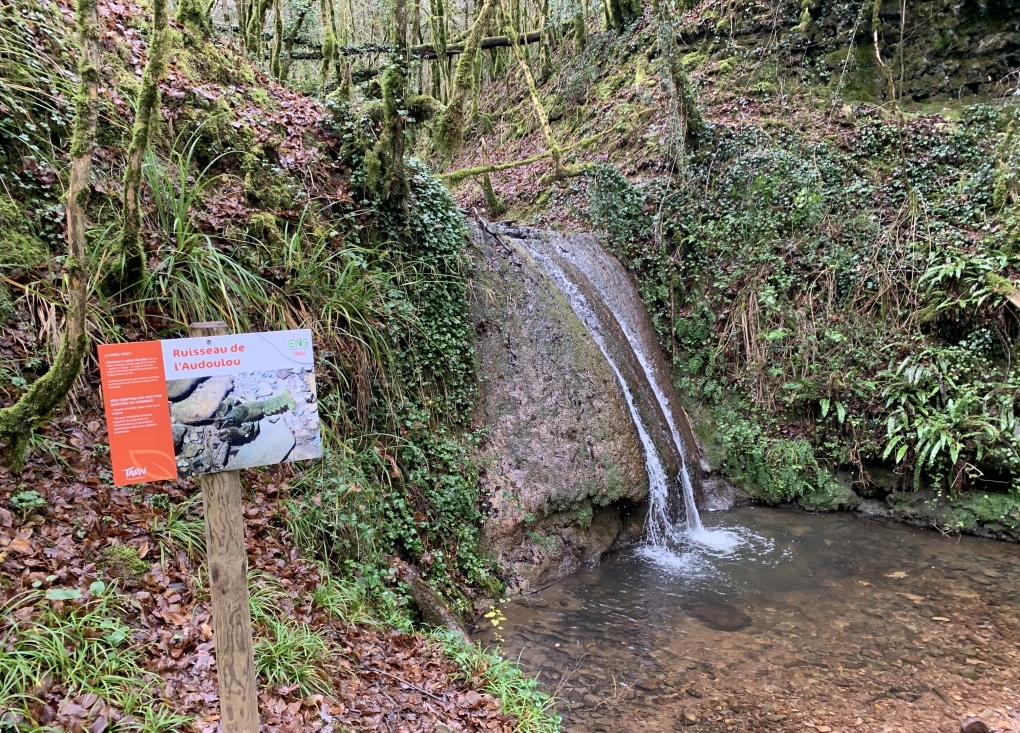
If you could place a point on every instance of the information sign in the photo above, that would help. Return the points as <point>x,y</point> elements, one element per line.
<point>183,407</point>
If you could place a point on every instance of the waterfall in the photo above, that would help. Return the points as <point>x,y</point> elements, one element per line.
<point>608,304</point>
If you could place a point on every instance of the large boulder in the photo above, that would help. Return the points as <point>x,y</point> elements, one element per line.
<point>562,465</point>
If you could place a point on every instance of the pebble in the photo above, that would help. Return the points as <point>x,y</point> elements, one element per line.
<point>972,724</point>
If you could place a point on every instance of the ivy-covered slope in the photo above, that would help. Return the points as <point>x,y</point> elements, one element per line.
<point>832,267</point>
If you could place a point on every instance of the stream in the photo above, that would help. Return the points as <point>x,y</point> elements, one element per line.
<point>823,622</point>
<point>756,619</point>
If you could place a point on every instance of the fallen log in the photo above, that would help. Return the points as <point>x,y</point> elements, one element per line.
<point>428,601</point>
<point>424,52</point>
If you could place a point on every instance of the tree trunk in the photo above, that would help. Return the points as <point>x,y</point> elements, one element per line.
<point>131,247</point>
<point>448,133</point>
<point>432,607</point>
<point>536,103</point>
<point>395,190</point>
<point>18,421</point>
<point>275,67</point>
<point>289,41</point>
<point>692,126</point>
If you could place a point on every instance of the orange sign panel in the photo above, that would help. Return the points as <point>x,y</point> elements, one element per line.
<point>184,407</point>
<point>137,412</point>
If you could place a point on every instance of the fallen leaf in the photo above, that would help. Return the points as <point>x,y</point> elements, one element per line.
<point>20,544</point>
<point>897,574</point>
<point>939,618</point>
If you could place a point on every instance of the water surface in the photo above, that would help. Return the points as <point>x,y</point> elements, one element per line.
<point>809,622</point>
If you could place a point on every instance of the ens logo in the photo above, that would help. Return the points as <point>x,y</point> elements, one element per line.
<point>297,343</point>
<point>135,472</point>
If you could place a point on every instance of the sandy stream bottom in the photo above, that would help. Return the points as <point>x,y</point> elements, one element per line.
<point>847,625</point>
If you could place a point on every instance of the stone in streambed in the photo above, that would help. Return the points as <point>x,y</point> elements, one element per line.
<point>178,389</point>
<point>178,432</point>
<point>201,405</point>
<point>720,616</point>
<point>271,446</point>
<point>972,724</point>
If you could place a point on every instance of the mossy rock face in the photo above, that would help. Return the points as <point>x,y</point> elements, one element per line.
<point>562,455</point>
<point>123,562</point>
<point>996,516</point>
<point>19,247</point>
<point>832,495</point>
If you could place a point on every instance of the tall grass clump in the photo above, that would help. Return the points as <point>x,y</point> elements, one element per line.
<point>78,647</point>
<point>520,696</point>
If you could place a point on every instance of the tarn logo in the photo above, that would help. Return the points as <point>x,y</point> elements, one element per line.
<point>135,472</point>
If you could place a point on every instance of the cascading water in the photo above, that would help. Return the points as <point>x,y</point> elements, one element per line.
<point>584,273</point>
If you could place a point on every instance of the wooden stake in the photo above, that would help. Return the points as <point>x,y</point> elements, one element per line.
<point>228,580</point>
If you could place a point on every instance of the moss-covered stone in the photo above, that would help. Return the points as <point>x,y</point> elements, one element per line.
<point>19,246</point>
<point>123,562</point>
<point>831,495</point>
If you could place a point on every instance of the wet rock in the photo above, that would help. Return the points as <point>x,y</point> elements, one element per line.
<point>972,724</point>
<point>272,445</point>
<point>564,456</point>
<point>201,405</point>
<point>178,389</point>
<point>719,495</point>
<point>720,616</point>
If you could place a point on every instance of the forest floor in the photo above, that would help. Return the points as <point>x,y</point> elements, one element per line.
<point>81,531</point>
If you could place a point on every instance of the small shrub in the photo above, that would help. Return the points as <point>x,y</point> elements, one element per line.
<point>27,502</point>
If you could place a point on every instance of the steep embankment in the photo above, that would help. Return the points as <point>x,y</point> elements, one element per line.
<point>256,210</point>
<point>832,265</point>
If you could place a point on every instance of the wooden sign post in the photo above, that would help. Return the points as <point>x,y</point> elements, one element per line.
<point>228,580</point>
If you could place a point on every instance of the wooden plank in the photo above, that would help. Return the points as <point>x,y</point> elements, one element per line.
<point>228,580</point>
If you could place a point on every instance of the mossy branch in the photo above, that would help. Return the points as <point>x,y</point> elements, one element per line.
<point>131,247</point>
<point>453,178</point>
<point>39,400</point>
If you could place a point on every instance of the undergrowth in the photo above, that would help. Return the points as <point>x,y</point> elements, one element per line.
<point>839,303</point>
<point>84,646</point>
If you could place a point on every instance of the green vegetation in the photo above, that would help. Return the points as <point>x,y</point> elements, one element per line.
<point>520,695</point>
<point>123,562</point>
<point>266,210</point>
<point>84,646</point>
<point>840,289</point>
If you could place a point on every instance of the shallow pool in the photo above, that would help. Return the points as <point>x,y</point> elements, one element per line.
<point>793,621</point>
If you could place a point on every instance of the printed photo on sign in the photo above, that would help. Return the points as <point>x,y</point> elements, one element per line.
<point>229,422</point>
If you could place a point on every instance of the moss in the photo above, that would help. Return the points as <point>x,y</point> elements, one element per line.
<point>375,110</point>
<point>830,495</point>
<point>423,107</point>
<point>693,60</point>
<point>19,247</point>
<point>728,65</point>
<point>193,16</point>
<point>122,561</point>
<point>207,62</point>
<point>265,184</point>
<point>212,132</point>
<point>263,226</point>
<point>584,515</point>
